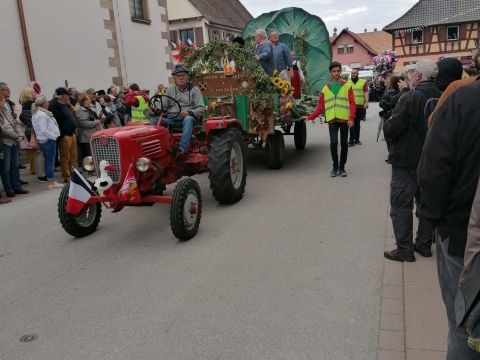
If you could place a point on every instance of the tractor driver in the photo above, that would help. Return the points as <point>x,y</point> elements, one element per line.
<point>190,99</point>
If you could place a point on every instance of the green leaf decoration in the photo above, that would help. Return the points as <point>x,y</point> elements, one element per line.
<point>306,34</point>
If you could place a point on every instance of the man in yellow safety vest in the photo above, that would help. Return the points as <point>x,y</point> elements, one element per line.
<point>360,91</point>
<point>138,101</point>
<point>337,103</point>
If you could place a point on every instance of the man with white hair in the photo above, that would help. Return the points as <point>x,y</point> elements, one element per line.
<point>405,133</point>
<point>263,51</point>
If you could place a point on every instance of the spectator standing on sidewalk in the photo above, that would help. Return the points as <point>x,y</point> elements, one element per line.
<point>360,91</point>
<point>67,122</point>
<point>337,102</point>
<point>35,156</point>
<point>138,101</point>
<point>9,145</point>
<point>405,133</point>
<point>448,175</point>
<point>117,101</point>
<point>87,124</point>
<point>47,132</point>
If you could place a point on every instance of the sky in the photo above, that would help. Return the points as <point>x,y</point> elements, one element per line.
<point>357,15</point>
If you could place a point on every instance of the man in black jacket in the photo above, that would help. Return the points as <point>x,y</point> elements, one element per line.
<point>405,133</point>
<point>448,174</point>
<point>67,122</point>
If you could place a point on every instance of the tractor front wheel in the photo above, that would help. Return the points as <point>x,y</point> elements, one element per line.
<point>186,209</point>
<point>300,134</point>
<point>275,150</point>
<point>227,166</point>
<point>78,225</point>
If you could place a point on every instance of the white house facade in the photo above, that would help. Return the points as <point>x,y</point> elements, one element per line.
<point>84,44</point>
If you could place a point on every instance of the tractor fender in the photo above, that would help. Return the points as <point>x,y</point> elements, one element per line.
<point>220,124</point>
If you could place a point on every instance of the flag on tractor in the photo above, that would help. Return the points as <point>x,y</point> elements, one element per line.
<point>79,193</point>
<point>129,190</point>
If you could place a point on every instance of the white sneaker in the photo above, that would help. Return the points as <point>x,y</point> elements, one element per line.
<point>55,185</point>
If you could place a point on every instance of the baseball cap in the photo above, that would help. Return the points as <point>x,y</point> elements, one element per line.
<point>61,91</point>
<point>428,68</point>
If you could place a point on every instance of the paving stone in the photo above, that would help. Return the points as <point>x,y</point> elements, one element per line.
<point>390,355</point>
<point>392,306</point>
<point>392,291</point>
<point>415,354</point>
<point>393,267</point>
<point>394,322</point>
<point>393,279</point>
<point>391,340</point>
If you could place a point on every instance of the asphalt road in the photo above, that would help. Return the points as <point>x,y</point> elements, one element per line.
<point>293,271</point>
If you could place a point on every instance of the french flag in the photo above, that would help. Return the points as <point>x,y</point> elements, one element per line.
<point>79,193</point>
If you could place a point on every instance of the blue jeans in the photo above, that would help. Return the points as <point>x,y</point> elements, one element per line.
<point>49,150</point>
<point>10,168</point>
<point>187,128</point>
<point>449,268</point>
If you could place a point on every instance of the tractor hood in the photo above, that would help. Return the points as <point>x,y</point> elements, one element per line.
<point>133,132</point>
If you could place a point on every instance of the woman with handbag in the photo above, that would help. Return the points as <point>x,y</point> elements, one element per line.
<point>46,131</point>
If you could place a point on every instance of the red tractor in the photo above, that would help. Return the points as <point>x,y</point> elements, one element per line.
<point>145,157</point>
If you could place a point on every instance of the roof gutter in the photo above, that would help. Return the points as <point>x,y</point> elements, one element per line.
<point>26,45</point>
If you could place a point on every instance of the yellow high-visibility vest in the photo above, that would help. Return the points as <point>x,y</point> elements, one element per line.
<point>358,91</point>
<point>138,112</point>
<point>336,107</point>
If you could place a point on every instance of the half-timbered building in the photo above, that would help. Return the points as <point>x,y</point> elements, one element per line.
<point>433,29</point>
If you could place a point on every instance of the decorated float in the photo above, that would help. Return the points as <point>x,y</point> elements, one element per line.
<point>234,85</point>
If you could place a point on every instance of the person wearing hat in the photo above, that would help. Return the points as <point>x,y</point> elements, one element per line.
<point>67,122</point>
<point>405,133</point>
<point>192,108</point>
<point>138,101</point>
<point>94,104</point>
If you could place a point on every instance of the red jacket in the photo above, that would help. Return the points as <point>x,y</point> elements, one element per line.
<point>131,98</point>
<point>320,109</point>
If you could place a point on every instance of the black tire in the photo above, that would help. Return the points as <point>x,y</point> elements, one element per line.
<point>186,199</point>
<point>275,150</point>
<point>300,134</point>
<point>227,166</point>
<point>82,225</point>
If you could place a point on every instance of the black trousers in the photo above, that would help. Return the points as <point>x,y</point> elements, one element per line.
<point>333,128</point>
<point>355,130</point>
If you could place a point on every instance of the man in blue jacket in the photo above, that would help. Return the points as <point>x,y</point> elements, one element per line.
<point>281,53</point>
<point>264,51</point>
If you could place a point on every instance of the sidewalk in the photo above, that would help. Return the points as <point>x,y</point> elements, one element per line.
<point>413,323</point>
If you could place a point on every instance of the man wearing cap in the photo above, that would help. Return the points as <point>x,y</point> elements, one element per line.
<point>192,108</point>
<point>405,133</point>
<point>138,101</point>
<point>94,104</point>
<point>67,122</point>
<point>360,91</point>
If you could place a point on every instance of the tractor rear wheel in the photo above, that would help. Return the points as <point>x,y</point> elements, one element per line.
<point>300,134</point>
<point>186,209</point>
<point>78,225</point>
<point>275,150</point>
<point>227,166</point>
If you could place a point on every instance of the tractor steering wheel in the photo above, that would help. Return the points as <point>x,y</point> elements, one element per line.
<point>156,104</point>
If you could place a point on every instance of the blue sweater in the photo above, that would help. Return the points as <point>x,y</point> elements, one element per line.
<point>282,57</point>
<point>265,52</point>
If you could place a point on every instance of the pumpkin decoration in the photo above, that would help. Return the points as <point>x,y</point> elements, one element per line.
<point>228,70</point>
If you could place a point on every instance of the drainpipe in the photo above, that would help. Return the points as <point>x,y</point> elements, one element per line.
<point>26,45</point>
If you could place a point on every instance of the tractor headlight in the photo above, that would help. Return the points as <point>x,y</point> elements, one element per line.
<point>143,164</point>
<point>87,164</point>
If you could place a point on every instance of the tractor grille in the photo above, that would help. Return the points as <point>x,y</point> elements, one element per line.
<point>109,151</point>
<point>152,148</point>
